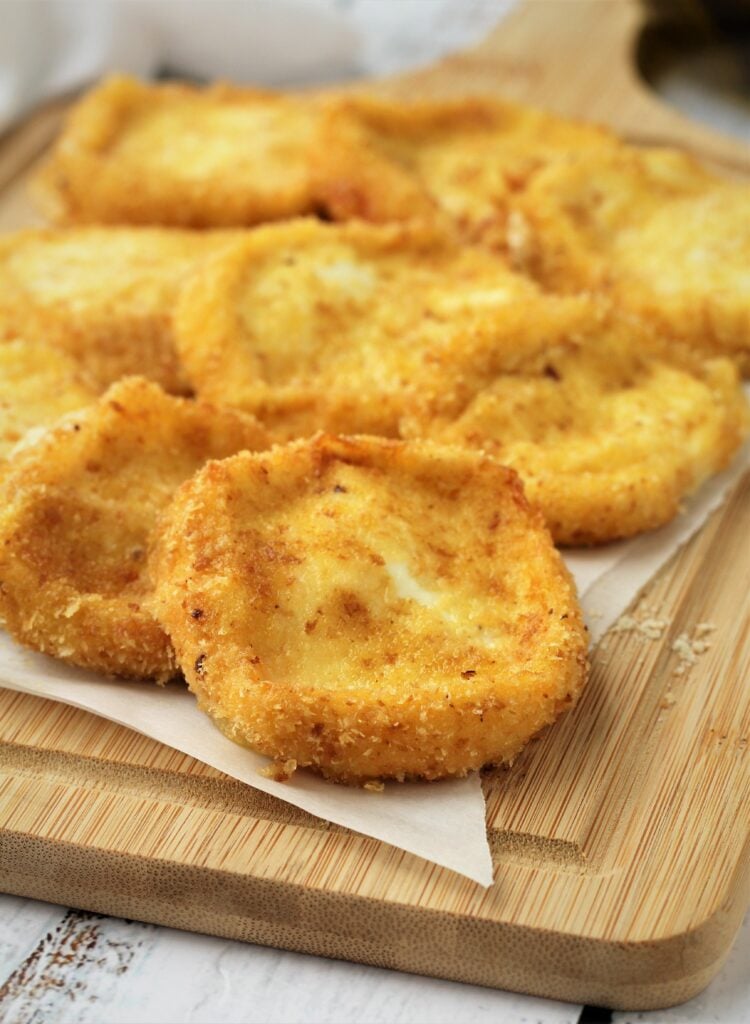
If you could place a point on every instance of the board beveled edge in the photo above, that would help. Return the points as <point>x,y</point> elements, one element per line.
<point>632,976</point>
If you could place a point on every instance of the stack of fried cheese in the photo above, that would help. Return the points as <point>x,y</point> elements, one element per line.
<point>387,355</point>
<point>399,331</point>
<point>567,203</point>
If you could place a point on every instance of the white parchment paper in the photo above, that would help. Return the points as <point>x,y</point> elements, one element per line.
<point>442,822</point>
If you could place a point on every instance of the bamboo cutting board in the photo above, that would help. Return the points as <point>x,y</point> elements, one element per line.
<point>620,838</point>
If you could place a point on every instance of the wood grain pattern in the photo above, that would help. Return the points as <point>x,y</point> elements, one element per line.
<point>620,838</point>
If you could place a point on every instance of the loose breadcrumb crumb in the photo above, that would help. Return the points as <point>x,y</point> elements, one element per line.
<point>374,786</point>
<point>688,648</point>
<point>650,628</point>
<point>703,628</point>
<point>280,771</point>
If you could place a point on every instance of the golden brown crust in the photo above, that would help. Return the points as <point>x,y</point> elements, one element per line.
<point>458,162</point>
<point>609,431</point>
<point>105,296</point>
<point>397,330</point>
<point>369,608</point>
<point>343,327</point>
<point>76,514</point>
<point>177,155</point>
<point>665,239</point>
<point>38,384</point>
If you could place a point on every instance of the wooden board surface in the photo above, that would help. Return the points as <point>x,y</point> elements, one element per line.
<point>620,839</point>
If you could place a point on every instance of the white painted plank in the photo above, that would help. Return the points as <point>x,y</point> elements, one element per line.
<point>90,969</point>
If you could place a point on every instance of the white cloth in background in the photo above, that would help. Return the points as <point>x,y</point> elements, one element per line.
<point>49,47</point>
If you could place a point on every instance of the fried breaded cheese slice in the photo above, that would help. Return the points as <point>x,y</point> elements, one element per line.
<point>384,160</point>
<point>341,327</point>
<point>38,384</point>
<point>609,431</point>
<point>132,153</point>
<point>103,295</point>
<point>76,514</point>
<point>369,608</point>
<point>664,238</point>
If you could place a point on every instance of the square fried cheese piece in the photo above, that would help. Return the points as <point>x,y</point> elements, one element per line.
<point>665,239</point>
<point>342,327</point>
<point>609,430</point>
<point>459,161</point>
<point>369,608</point>
<point>104,296</point>
<point>174,154</point>
<point>77,510</point>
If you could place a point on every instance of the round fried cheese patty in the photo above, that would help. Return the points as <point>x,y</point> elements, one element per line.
<point>383,160</point>
<point>38,384</point>
<point>105,296</point>
<point>609,432</point>
<point>662,236</point>
<point>76,513</point>
<point>369,608</point>
<point>341,327</point>
<point>177,155</point>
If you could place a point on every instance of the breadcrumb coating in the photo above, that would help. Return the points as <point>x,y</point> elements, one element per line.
<point>178,155</point>
<point>104,296</point>
<point>459,161</point>
<point>343,327</point>
<point>77,510</point>
<point>369,608</point>
<point>38,384</point>
<point>609,431</point>
<point>661,236</point>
